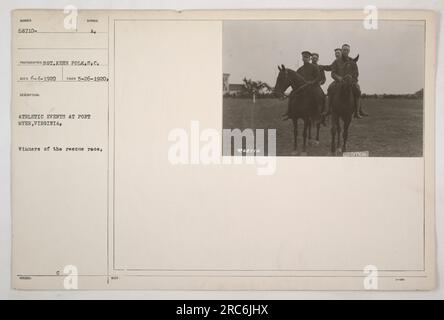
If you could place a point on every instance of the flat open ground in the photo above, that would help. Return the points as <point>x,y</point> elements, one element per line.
<point>393,129</point>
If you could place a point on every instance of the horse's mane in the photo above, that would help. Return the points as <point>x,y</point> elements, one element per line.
<point>351,68</point>
<point>289,70</point>
<point>294,74</point>
<point>344,91</point>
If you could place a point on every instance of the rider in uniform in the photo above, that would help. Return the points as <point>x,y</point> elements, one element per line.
<point>337,73</point>
<point>310,74</point>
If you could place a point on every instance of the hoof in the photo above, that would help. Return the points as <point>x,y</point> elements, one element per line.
<point>295,153</point>
<point>303,154</point>
<point>338,153</point>
<point>316,143</point>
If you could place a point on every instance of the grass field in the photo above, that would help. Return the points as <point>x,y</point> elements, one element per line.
<point>393,129</point>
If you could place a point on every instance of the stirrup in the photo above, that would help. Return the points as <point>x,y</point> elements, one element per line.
<point>285,117</point>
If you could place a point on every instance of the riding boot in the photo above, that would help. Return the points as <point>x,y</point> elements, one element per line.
<point>286,115</point>
<point>356,114</point>
<point>362,112</point>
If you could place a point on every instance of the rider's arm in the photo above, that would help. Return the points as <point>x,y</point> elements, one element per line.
<point>325,68</point>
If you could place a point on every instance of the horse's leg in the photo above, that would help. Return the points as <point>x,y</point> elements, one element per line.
<point>309,132</point>
<point>333,133</point>
<point>304,135</point>
<point>338,128</point>
<point>295,136</point>
<point>345,134</point>
<point>318,128</point>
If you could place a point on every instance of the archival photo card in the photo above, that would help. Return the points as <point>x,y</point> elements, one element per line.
<point>223,150</point>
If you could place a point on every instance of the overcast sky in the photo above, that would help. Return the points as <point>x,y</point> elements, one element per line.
<point>391,57</point>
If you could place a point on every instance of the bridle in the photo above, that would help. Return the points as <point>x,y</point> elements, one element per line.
<point>283,96</point>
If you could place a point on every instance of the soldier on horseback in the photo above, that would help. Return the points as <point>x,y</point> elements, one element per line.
<point>310,75</point>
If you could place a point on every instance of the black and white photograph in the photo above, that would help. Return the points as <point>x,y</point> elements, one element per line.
<point>328,87</point>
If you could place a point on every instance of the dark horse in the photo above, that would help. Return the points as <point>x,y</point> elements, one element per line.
<point>302,103</point>
<point>343,106</point>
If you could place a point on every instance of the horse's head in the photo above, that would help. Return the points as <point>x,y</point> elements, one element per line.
<point>283,81</point>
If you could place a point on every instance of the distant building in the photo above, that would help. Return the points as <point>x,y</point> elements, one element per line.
<point>265,90</point>
<point>232,89</point>
<point>235,88</point>
<point>226,83</point>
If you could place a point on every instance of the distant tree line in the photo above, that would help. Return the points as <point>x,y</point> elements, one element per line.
<point>259,89</point>
<point>250,88</point>
<point>417,95</point>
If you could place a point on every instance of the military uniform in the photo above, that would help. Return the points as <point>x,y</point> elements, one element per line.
<point>310,73</point>
<point>338,69</point>
<point>338,72</point>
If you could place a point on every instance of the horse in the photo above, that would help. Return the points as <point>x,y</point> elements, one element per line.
<point>302,104</point>
<point>343,107</point>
